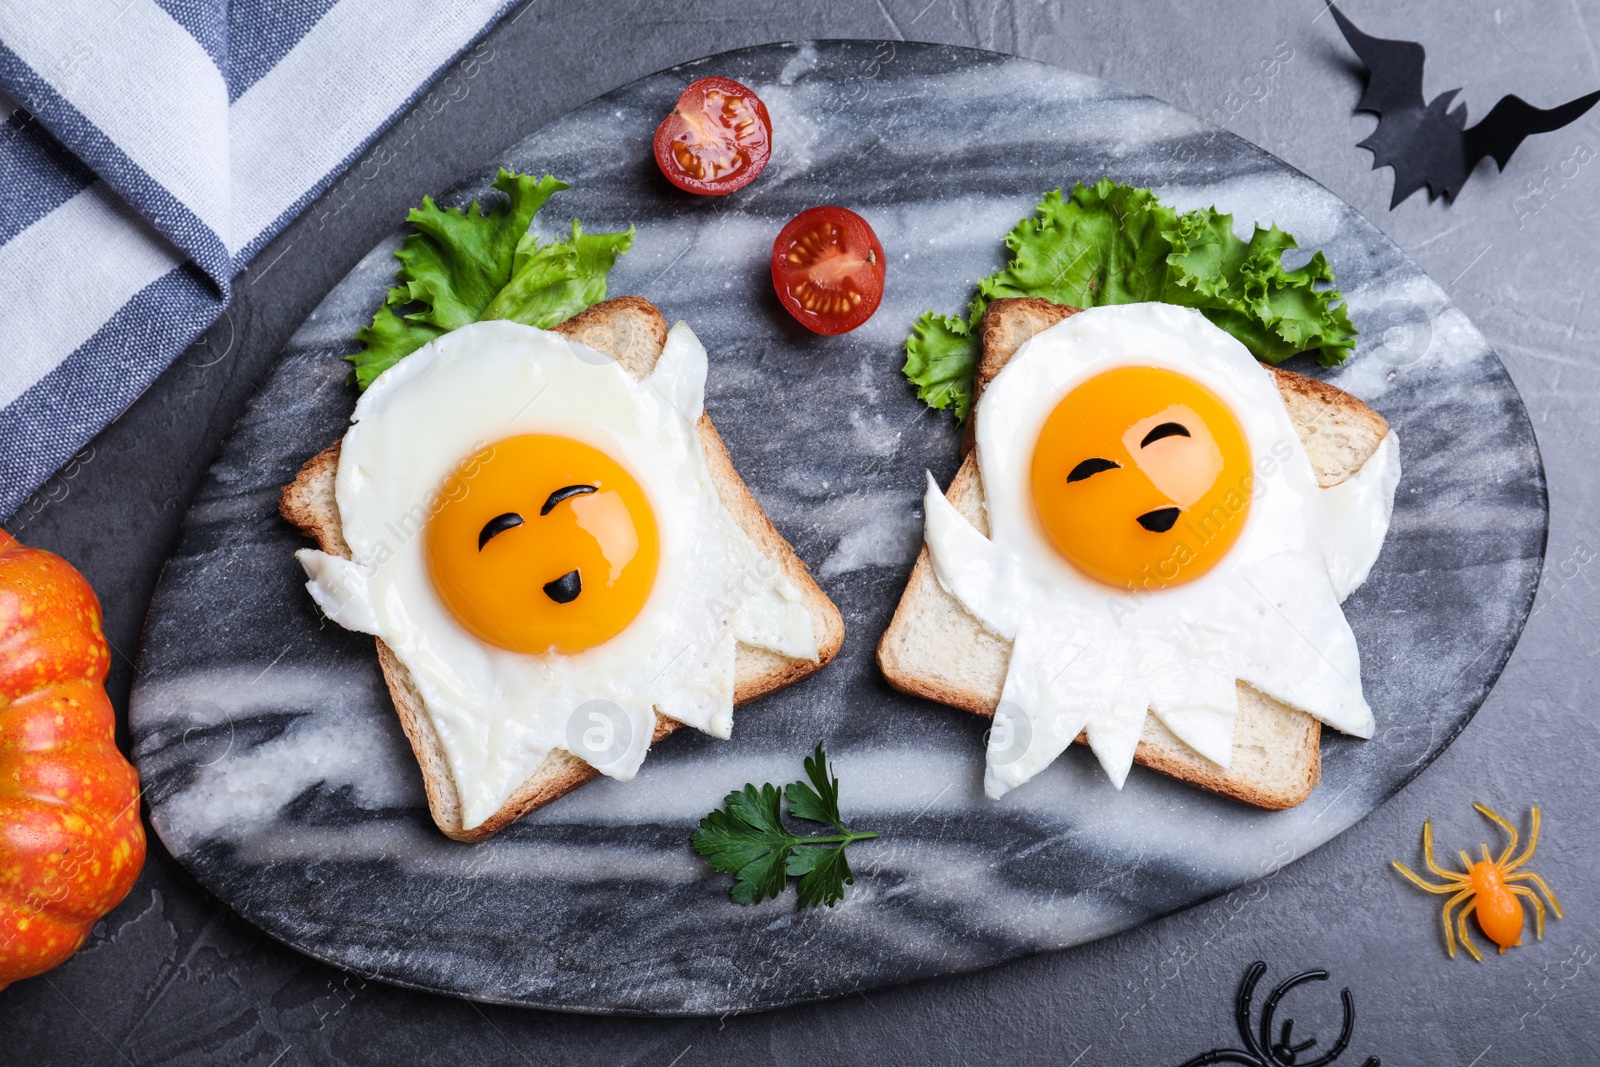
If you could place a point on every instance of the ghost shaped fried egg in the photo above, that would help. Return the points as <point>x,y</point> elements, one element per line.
<point>1156,533</point>
<point>535,535</point>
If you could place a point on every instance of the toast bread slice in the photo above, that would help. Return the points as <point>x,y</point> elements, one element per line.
<point>935,648</point>
<point>632,331</point>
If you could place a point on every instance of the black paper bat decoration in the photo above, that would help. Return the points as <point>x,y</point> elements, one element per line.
<point>1427,143</point>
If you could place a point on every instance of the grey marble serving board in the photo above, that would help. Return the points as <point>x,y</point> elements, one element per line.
<point>277,773</point>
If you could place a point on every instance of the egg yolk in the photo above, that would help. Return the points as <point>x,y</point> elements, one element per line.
<point>542,544</point>
<point>1142,478</point>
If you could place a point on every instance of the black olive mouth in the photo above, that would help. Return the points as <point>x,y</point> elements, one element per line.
<point>565,589</point>
<point>1160,520</point>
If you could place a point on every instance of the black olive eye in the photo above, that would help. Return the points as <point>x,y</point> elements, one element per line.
<point>566,492</point>
<point>1159,520</point>
<point>1090,467</point>
<point>1166,429</point>
<point>497,526</point>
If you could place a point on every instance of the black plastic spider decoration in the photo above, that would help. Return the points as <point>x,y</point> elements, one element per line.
<point>1260,1050</point>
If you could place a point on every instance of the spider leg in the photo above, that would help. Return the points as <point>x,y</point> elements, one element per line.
<point>1427,853</point>
<point>1423,883</point>
<point>1529,876</point>
<point>1466,860</point>
<point>1538,908</point>
<point>1511,831</point>
<point>1449,934</point>
<point>1533,842</point>
<point>1461,925</point>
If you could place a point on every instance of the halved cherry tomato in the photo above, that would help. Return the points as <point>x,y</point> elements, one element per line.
<point>827,267</point>
<point>716,140</point>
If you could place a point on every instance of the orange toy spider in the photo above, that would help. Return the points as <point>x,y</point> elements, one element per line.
<point>1486,887</point>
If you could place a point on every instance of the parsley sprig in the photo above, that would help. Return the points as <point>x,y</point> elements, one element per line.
<point>747,838</point>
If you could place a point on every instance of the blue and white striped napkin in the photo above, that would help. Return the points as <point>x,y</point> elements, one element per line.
<point>153,147</point>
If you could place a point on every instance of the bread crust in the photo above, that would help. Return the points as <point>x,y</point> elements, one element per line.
<point>1277,755</point>
<point>1006,324</point>
<point>1337,429</point>
<point>633,331</point>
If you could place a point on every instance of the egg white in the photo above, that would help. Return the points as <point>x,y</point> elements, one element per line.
<point>1088,657</point>
<point>498,714</point>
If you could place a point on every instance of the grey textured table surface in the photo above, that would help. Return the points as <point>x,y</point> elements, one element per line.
<point>173,977</point>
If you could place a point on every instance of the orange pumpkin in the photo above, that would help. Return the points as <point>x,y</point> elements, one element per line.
<point>71,844</point>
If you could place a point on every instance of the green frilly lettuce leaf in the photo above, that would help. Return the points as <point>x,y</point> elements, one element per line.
<point>1115,244</point>
<point>459,267</point>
